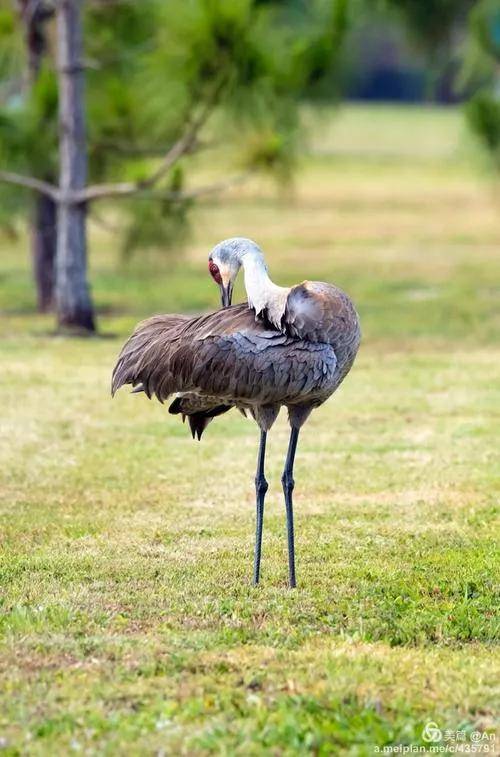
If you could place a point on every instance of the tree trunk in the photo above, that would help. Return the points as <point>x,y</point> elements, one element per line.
<point>73,302</point>
<point>43,224</point>
<point>44,234</point>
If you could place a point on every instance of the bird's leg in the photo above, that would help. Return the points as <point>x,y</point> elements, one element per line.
<point>288,484</point>
<point>261,487</point>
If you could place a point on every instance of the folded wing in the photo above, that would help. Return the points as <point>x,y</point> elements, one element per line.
<point>227,355</point>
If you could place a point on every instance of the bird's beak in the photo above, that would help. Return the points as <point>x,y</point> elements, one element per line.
<point>226,294</point>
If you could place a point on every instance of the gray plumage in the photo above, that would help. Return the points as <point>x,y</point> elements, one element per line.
<point>229,358</point>
<point>287,347</point>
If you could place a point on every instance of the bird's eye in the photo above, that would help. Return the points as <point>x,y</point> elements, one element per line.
<point>214,272</point>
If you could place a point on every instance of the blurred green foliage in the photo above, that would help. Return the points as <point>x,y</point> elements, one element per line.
<point>153,67</point>
<point>483,66</point>
<point>483,114</point>
<point>431,22</point>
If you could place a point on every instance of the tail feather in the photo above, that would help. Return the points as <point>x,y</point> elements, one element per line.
<point>198,424</point>
<point>198,418</point>
<point>144,358</point>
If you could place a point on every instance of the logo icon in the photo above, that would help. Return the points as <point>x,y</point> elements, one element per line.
<point>431,732</point>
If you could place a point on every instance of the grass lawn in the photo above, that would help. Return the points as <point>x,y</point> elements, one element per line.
<point>127,621</point>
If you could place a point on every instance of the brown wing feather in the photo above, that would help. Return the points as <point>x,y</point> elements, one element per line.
<point>162,353</point>
<point>227,355</point>
<point>320,312</point>
<point>147,350</point>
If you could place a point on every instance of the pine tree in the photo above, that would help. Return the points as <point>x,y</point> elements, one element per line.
<point>156,74</point>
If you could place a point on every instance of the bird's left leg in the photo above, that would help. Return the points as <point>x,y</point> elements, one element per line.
<point>288,484</point>
<point>261,487</point>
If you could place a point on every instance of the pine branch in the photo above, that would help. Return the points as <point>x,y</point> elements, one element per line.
<point>178,149</point>
<point>128,188</point>
<point>103,191</point>
<point>122,189</point>
<point>192,194</point>
<point>30,182</point>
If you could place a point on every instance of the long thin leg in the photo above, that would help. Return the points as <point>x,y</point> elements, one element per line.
<point>288,484</point>
<point>261,487</point>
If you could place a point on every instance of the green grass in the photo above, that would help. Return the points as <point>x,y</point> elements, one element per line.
<point>127,621</point>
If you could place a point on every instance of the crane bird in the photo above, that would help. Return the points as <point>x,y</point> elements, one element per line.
<point>288,346</point>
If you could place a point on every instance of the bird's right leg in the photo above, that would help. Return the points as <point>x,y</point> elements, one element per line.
<point>261,487</point>
<point>288,486</point>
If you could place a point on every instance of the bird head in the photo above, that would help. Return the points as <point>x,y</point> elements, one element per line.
<point>225,261</point>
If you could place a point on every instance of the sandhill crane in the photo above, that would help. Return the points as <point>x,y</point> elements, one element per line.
<point>288,346</point>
